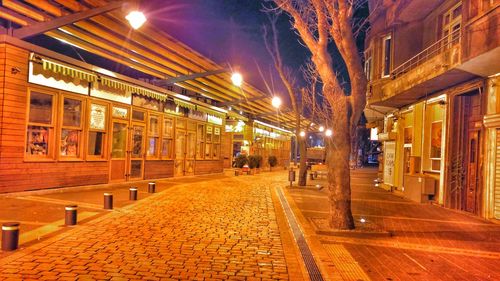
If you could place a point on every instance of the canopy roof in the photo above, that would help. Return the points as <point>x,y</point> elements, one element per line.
<point>99,27</point>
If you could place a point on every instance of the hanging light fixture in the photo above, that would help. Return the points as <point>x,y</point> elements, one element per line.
<point>237,79</point>
<point>276,102</point>
<point>136,19</point>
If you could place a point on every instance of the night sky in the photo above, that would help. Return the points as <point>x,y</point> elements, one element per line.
<point>228,31</point>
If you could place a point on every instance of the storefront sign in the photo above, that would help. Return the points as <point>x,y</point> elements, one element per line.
<point>214,120</point>
<point>197,115</point>
<point>262,132</point>
<point>97,116</point>
<point>119,112</point>
<point>235,127</point>
<point>110,93</point>
<point>389,159</point>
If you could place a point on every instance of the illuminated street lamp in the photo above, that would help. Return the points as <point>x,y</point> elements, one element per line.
<point>136,19</point>
<point>321,128</point>
<point>328,133</point>
<point>276,102</point>
<point>237,79</point>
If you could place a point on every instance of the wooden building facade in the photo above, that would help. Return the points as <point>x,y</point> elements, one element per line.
<point>66,123</point>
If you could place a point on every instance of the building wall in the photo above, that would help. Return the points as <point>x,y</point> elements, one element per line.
<point>16,174</point>
<point>481,33</point>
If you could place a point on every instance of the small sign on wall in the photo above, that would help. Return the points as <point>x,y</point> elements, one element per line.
<point>389,159</point>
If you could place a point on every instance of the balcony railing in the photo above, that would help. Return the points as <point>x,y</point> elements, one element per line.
<point>433,50</point>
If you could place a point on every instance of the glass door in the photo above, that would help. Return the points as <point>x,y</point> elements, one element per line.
<point>180,152</point>
<point>190,153</point>
<point>118,161</point>
<point>137,151</point>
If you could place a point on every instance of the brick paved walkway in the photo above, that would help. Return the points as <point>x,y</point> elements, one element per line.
<point>428,242</point>
<point>210,230</point>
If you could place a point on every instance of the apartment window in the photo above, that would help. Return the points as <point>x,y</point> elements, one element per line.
<point>167,144</point>
<point>368,64</point>
<point>153,135</point>
<point>40,126</point>
<point>451,22</point>
<point>386,55</point>
<point>97,130</point>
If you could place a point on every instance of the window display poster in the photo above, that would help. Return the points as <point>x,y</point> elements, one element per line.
<point>389,158</point>
<point>436,134</point>
<point>97,116</point>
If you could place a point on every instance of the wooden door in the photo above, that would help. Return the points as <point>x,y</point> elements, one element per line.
<point>119,154</point>
<point>137,151</point>
<point>472,171</point>
<point>180,152</point>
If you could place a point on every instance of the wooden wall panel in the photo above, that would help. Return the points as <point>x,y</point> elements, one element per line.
<point>203,167</point>
<point>159,169</point>
<point>227,149</point>
<point>16,174</point>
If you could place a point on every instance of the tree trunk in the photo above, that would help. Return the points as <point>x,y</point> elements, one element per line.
<point>338,170</point>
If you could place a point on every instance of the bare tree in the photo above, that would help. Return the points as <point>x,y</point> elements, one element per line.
<point>287,77</point>
<point>317,22</point>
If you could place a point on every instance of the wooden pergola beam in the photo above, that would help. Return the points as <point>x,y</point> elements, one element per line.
<point>173,80</point>
<point>55,23</point>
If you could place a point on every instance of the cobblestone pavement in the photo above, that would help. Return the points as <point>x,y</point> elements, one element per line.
<point>426,242</point>
<point>210,230</point>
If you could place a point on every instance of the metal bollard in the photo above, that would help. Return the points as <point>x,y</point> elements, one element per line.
<point>291,176</point>
<point>132,194</point>
<point>108,201</point>
<point>151,187</point>
<point>70,215</point>
<point>10,236</point>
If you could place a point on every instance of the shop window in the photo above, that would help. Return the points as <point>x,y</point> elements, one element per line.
<point>200,141</point>
<point>153,136</point>
<point>208,142</point>
<point>181,124</point>
<point>138,115</point>
<point>71,130</point>
<point>167,144</point>
<point>119,141</point>
<point>386,55</point>
<point>97,131</point>
<point>40,126</point>
<point>216,143</point>
<point>433,133</point>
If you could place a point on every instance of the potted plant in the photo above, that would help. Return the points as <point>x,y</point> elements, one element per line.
<point>252,163</point>
<point>273,161</point>
<point>239,162</point>
<point>259,162</point>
